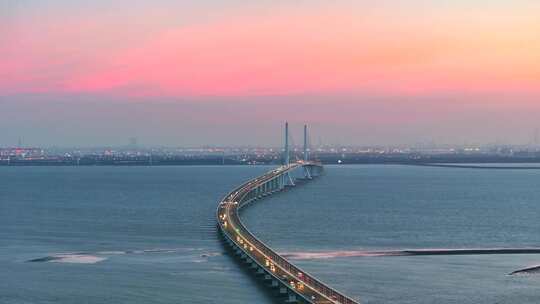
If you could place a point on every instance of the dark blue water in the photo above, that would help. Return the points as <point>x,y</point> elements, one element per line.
<point>362,208</point>
<point>147,234</point>
<point>155,226</point>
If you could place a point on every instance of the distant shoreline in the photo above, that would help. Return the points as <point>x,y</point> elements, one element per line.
<point>529,161</point>
<point>479,166</point>
<point>488,164</point>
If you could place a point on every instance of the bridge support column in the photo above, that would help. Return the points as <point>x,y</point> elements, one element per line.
<point>307,172</point>
<point>282,182</point>
<point>288,179</point>
<point>292,298</point>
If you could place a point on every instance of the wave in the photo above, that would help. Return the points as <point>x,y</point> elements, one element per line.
<point>529,270</point>
<point>333,254</point>
<point>111,252</point>
<point>472,251</point>
<point>98,256</point>
<point>210,254</point>
<point>407,252</point>
<point>141,251</point>
<point>70,258</point>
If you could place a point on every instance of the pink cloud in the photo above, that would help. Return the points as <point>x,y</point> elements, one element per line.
<point>287,53</point>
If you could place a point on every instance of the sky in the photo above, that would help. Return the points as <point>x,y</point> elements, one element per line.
<point>215,72</point>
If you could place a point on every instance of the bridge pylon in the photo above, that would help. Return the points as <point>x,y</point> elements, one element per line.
<point>307,173</point>
<point>287,179</point>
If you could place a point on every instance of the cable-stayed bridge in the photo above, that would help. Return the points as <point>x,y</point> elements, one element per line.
<point>293,283</point>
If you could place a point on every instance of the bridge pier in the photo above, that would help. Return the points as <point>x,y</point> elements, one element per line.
<point>292,298</point>
<point>307,172</point>
<point>285,181</point>
<point>289,181</point>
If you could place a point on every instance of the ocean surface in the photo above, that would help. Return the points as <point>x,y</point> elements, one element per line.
<point>147,234</point>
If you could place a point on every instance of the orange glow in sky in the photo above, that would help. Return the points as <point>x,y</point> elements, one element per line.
<point>387,71</point>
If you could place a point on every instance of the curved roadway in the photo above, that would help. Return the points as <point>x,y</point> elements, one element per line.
<point>297,281</point>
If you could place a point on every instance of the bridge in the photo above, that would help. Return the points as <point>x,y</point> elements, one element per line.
<point>296,285</point>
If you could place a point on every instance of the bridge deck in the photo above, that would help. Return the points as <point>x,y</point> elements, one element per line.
<point>297,281</point>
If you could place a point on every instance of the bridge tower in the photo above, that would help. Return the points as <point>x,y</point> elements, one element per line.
<point>307,173</point>
<point>287,179</point>
<point>286,159</point>
<point>305,144</point>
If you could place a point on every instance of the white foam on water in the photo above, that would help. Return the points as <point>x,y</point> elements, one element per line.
<point>95,257</point>
<point>333,254</point>
<point>162,250</point>
<point>111,252</point>
<point>407,252</point>
<point>76,259</point>
<point>138,251</point>
<point>210,254</point>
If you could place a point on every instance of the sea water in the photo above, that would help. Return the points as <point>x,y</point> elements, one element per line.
<point>148,235</point>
